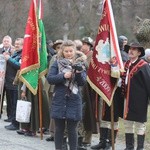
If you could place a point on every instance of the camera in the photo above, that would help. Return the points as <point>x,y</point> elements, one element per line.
<point>77,66</point>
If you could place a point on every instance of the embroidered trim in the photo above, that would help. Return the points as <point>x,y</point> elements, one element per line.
<point>131,73</point>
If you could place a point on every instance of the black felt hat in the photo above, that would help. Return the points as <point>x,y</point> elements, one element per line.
<point>135,45</point>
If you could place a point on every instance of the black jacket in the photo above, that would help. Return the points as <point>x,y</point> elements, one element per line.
<point>13,65</point>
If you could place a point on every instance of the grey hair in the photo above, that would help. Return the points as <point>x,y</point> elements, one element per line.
<point>8,37</point>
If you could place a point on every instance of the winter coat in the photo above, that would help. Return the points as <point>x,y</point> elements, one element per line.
<point>138,92</point>
<point>65,106</point>
<point>12,67</point>
<point>89,107</point>
<point>89,103</point>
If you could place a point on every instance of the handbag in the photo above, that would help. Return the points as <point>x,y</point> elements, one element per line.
<point>23,111</point>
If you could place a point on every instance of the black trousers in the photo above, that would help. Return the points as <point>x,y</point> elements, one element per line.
<point>71,130</point>
<point>11,98</point>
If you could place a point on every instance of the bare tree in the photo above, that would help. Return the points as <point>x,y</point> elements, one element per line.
<point>71,18</point>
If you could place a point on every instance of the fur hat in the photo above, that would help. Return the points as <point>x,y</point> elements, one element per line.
<point>135,45</point>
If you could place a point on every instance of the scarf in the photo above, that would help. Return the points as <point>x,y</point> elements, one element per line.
<point>65,65</point>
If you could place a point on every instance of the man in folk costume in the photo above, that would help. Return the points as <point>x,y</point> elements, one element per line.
<point>105,139</point>
<point>136,91</point>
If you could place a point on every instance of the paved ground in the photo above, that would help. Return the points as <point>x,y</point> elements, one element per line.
<point>10,140</point>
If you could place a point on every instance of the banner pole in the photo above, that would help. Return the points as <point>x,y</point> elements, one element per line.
<point>40,109</point>
<point>112,125</point>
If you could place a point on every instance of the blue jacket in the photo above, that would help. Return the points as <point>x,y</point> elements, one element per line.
<point>63,106</point>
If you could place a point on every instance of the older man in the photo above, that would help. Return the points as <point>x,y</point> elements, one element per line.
<point>13,64</point>
<point>6,46</point>
<point>136,91</point>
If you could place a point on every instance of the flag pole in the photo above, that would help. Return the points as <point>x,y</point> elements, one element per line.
<point>112,126</point>
<point>40,108</point>
<point>1,103</point>
<point>43,62</point>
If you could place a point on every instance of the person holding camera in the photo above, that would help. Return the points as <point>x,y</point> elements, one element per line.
<point>67,74</point>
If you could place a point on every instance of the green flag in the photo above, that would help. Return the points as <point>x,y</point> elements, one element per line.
<point>43,50</point>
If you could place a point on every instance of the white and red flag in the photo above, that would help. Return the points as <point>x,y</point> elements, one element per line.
<point>106,63</point>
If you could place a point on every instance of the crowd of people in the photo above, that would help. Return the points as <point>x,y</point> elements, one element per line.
<point>69,103</point>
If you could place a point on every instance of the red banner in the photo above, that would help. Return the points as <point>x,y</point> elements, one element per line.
<point>106,63</point>
<point>30,52</point>
<point>30,62</point>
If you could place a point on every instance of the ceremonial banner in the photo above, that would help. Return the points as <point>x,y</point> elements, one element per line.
<point>106,62</point>
<point>30,62</point>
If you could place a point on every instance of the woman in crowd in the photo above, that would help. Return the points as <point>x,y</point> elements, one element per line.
<point>67,73</point>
